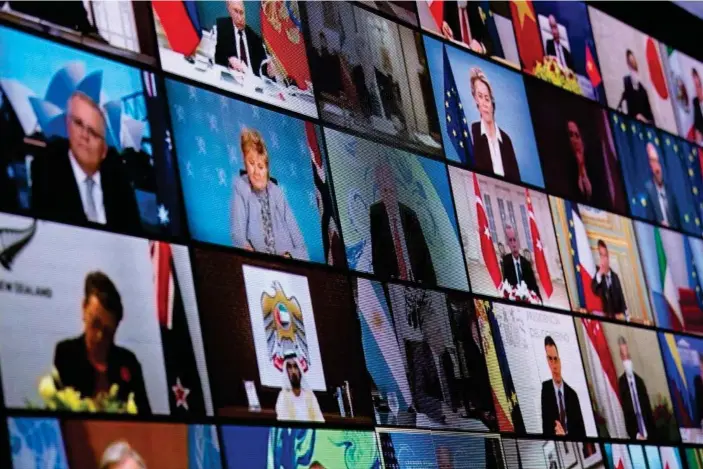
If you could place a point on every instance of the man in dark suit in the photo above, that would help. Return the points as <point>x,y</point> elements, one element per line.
<point>398,247</point>
<point>516,268</point>
<point>78,180</point>
<point>661,205</point>
<point>463,22</point>
<point>238,46</point>
<point>697,104</point>
<point>639,419</point>
<point>555,48</point>
<point>635,94</point>
<point>91,363</point>
<point>561,410</point>
<point>606,284</point>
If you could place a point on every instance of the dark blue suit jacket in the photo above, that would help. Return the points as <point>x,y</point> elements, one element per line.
<point>653,209</point>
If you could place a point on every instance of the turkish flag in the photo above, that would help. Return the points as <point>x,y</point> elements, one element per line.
<point>527,34</point>
<point>592,69</point>
<point>484,233</point>
<point>538,248</point>
<point>280,29</point>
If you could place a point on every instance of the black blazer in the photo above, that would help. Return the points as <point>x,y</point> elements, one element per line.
<point>482,153</point>
<point>528,275</point>
<point>550,411</point>
<point>226,46</point>
<point>653,209</point>
<point>637,100</point>
<point>612,298</point>
<point>477,27</point>
<point>628,406</point>
<point>383,256</point>
<point>551,50</point>
<point>123,369</point>
<point>697,115</point>
<point>55,193</point>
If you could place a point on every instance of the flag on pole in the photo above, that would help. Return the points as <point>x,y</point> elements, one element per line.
<point>668,288</point>
<point>592,68</point>
<point>582,259</point>
<point>488,250</point>
<point>181,25</point>
<point>457,126</point>
<point>527,34</point>
<point>538,249</point>
<point>437,11</point>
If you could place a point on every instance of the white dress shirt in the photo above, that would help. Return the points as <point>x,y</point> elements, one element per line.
<point>81,177</point>
<point>246,45</point>
<point>635,400</point>
<point>661,192</point>
<point>559,51</point>
<point>494,148</point>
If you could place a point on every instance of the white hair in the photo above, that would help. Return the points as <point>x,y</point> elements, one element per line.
<point>118,452</point>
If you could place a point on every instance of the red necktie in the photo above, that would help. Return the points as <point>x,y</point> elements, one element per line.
<point>402,268</point>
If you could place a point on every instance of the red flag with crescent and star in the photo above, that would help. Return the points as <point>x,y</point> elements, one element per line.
<point>488,250</point>
<point>538,248</point>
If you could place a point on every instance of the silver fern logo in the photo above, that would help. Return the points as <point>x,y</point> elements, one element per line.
<point>13,241</point>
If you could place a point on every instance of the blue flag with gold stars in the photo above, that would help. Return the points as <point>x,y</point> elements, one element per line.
<point>457,127</point>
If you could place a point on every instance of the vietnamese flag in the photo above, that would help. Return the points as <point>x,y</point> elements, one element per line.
<point>540,259</point>
<point>527,34</point>
<point>281,31</point>
<point>488,250</point>
<point>592,69</point>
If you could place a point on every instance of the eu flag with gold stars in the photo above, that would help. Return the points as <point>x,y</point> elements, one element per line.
<point>457,126</point>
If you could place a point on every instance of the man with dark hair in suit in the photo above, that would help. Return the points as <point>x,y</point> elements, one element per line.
<point>555,48</point>
<point>561,410</point>
<point>398,247</point>
<point>697,105</point>
<point>606,284</point>
<point>238,46</point>
<point>516,268</point>
<point>463,22</point>
<point>661,205</point>
<point>639,419</point>
<point>92,363</point>
<point>634,93</point>
<point>79,180</point>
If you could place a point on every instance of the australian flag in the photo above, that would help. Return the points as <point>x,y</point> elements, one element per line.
<point>457,127</point>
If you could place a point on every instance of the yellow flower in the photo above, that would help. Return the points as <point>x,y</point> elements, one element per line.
<point>131,405</point>
<point>113,390</point>
<point>47,388</point>
<point>90,405</point>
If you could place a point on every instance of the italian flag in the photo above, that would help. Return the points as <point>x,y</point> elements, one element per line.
<point>668,288</point>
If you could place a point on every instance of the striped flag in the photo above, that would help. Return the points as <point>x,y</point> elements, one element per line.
<point>668,287</point>
<point>488,250</point>
<point>670,457</point>
<point>538,249</point>
<point>582,259</point>
<point>437,10</point>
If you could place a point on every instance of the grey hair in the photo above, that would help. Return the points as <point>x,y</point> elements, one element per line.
<point>118,452</point>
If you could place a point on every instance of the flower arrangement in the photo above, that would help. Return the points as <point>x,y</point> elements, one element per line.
<point>520,293</point>
<point>549,69</point>
<point>664,418</point>
<point>55,396</point>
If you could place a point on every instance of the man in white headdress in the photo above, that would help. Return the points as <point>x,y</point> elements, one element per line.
<point>295,400</point>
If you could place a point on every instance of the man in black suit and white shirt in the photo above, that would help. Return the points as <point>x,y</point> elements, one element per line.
<point>516,268</point>
<point>639,419</point>
<point>79,180</point>
<point>634,93</point>
<point>555,48</point>
<point>606,284</point>
<point>661,205</point>
<point>238,46</point>
<point>561,409</point>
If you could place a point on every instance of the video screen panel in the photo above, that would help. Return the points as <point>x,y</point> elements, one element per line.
<point>483,105</point>
<point>484,27</point>
<point>556,45</point>
<point>98,322</point>
<point>84,139</point>
<point>396,213</point>
<point>248,447</point>
<point>121,28</point>
<point>371,76</point>
<point>635,456</point>
<point>258,181</point>
<point>401,10</point>
<point>544,363</point>
<point>98,444</point>
<point>662,175</point>
<point>577,149</point>
<point>684,77</point>
<point>425,357</point>
<point>633,73</point>
<point>694,458</point>
<point>601,262</point>
<point>673,265</point>
<point>292,359</point>
<point>509,243</point>
<point>550,454</point>
<point>627,381</point>
<point>249,48</point>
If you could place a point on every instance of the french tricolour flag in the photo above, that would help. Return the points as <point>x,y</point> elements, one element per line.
<point>582,258</point>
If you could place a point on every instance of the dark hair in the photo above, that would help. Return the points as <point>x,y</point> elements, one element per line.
<point>99,285</point>
<point>629,53</point>
<point>695,72</point>
<point>549,342</point>
<point>621,340</point>
<point>601,244</point>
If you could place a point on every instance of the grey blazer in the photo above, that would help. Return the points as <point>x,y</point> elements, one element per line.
<point>247,224</point>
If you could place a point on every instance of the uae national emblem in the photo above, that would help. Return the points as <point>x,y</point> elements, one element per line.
<point>284,327</point>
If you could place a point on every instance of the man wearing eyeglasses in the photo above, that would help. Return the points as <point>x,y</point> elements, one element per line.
<point>79,180</point>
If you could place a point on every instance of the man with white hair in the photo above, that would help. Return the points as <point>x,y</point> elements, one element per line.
<point>120,455</point>
<point>295,400</point>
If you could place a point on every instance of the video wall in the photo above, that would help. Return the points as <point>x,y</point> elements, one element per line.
<point>294,235</point>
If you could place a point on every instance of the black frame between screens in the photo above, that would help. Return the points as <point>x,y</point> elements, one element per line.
<point>640,18</point>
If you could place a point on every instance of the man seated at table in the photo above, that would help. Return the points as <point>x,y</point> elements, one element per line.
<point>295,400</point>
